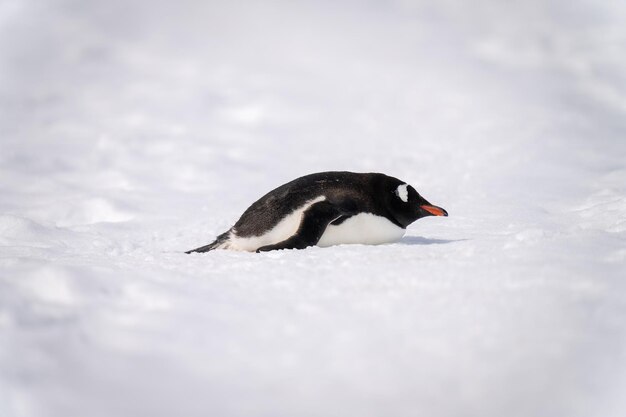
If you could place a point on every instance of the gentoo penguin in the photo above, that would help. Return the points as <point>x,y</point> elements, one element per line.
<point>324,209</point>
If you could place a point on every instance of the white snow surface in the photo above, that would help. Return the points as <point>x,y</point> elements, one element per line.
<point>131,131</point>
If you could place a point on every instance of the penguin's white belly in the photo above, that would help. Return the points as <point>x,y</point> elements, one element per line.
<point>364,228</point>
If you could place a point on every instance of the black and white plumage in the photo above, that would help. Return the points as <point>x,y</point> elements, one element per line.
<point>324,209</point>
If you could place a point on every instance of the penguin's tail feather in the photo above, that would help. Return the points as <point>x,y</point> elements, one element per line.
<point>220,242</point>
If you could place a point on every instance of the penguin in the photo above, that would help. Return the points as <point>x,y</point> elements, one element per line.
<point>325,209</point>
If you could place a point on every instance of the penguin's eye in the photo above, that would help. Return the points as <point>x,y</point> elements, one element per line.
<point>403,193</point>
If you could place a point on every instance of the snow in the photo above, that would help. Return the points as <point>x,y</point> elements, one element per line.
<point>133,131</point>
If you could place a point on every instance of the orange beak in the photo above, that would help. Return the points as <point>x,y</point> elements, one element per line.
<point>434,210</point>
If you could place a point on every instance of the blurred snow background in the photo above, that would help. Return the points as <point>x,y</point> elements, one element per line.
<point>133,130</point>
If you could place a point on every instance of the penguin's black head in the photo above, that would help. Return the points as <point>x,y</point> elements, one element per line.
<point>406,205</point>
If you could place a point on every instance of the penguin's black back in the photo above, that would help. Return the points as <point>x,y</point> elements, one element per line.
<point>353,192</point>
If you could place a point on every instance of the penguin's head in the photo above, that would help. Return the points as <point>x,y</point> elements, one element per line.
<point>406,205</point>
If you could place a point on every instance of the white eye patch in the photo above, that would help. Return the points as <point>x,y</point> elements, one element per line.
<point>403,193</point>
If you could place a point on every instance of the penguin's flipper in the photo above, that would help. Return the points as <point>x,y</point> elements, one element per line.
<point>314,222</point>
